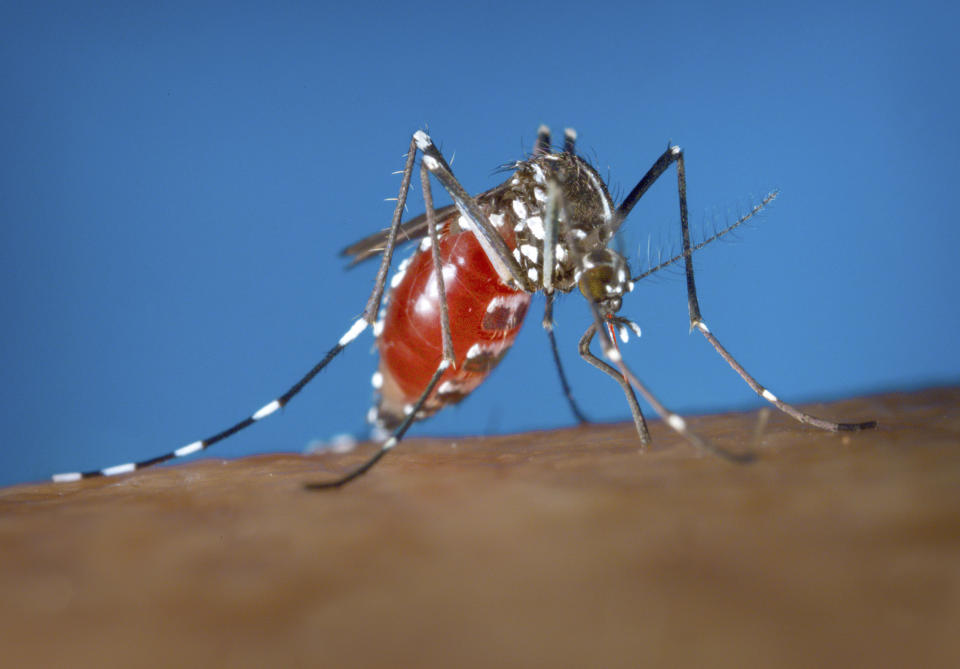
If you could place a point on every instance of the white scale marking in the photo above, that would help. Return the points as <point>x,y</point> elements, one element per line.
<point>119,469</point>
<point>422,139</point>
<point>676,422</point>
<point>603,198</point>
<point>448,387</point>
<point>397,277</point>
<point>353,332</point>
<point>268,409</point>
<point>487,348</point>
<point>376,380</point>
<point>535,225</point>
<point>67,477</point>
<point>424,304</point>
<point>465,223</point>
<point>531,251</point>
<point>539,195</point>
<point>431,163</point>
<point>188,449</point>
<point>497,220</point>
<point>512,302</point>
<point>767,395</point>
<point>538,174</point>
<point>533,274</point>
<point>520,209</point>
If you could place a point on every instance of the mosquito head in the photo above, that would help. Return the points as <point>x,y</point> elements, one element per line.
<point>604,279</point>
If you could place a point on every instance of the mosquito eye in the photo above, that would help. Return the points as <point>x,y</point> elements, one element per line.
<point>594,282</point>
<point>604,278</point>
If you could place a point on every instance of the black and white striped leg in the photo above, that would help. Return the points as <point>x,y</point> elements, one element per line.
<point>495,249</point>
<point>586,354</point>
<point>261,413</point>
<point>448,354</point>
<point>672,155</point>
<point>369,314</point>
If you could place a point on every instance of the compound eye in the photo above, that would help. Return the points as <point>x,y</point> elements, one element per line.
<point>604,278</point>
<point>595,281</point>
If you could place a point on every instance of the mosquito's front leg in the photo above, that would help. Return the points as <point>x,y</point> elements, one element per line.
<point>672,155</point>
<point>493,245</point>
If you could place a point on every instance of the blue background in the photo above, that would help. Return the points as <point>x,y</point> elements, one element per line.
<point>176,182</point>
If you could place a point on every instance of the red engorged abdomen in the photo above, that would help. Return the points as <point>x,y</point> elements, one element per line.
<point>485,317</point>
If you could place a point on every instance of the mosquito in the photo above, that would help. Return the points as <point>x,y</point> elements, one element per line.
<point>450,312</point>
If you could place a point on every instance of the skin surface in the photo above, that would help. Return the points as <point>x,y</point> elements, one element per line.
<point>564,549</point>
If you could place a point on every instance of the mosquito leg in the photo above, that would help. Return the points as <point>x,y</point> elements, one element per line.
<point>548,326</point>
<point>389,443</point>
<point>551,224</point>
<point>788,409</point>
<point>586,354</point>
<point>446,362</point>
<point>674,420</point>
<point>493,245</point>
<point>448,354</point>
<point>672,155</point>
<point>373,304</point>
<point>369,314</point>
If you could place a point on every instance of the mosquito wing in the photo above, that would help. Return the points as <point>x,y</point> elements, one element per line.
<point>412,230</point>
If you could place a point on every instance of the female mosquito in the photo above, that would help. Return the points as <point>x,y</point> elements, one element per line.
<point>455,307</point>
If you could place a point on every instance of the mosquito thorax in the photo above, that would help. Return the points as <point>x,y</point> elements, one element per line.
<point>604,279</point>
<point>584,219</point>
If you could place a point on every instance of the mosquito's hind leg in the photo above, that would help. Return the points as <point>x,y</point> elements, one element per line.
<point>446,362</point>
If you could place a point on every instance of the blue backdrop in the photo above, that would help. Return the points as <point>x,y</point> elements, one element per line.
<point>176,182</point>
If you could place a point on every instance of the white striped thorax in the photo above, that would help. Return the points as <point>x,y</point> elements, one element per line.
<point>584,217</point>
